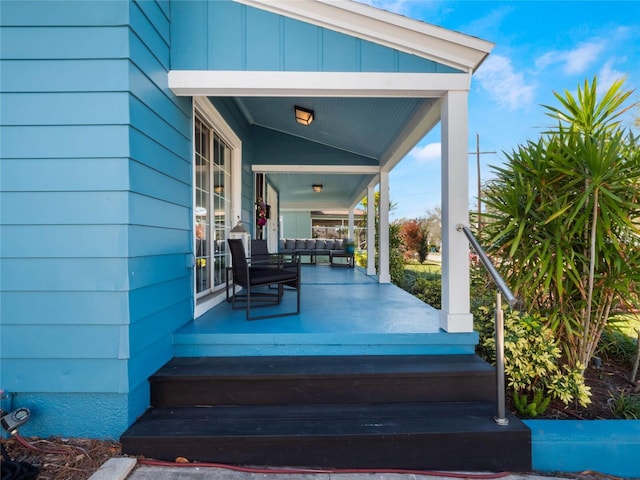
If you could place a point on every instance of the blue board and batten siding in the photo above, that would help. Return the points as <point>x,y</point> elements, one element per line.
<point>96,210</point>
<point>223,35</point>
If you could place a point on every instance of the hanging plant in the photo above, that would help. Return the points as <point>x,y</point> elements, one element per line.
<point>261,213</point>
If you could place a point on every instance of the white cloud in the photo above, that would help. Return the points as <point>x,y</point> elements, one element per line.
<point>503,84</point>
<point>607,75</point>
<point>427,153</point>
<point>573,61</point>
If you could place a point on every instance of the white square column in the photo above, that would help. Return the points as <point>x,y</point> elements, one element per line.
<point>371,231</point>
<point>383,230</point>
<point>455,315</point>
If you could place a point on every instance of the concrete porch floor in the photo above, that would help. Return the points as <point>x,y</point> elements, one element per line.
<point>343,311</point>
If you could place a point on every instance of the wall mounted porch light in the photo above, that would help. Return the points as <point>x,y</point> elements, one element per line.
<point>317,187</point>
<point>304,116</point>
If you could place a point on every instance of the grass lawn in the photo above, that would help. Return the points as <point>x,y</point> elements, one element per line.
<point>427,267</point>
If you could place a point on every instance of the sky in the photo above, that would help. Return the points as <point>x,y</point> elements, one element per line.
<point>540,47</point>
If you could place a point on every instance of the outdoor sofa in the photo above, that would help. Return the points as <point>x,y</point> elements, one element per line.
<point>312,247</point>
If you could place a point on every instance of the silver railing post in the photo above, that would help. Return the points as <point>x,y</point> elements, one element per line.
<point>503,289</point>
<point>501,417</point>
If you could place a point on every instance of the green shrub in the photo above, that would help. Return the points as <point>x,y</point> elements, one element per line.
<point>625,406</point>
<point>427,287</point>
<point>615,344</point>
<point>534,367</point>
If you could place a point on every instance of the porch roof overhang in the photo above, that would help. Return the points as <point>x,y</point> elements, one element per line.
<point>368,121</point>
<point>365,122</point>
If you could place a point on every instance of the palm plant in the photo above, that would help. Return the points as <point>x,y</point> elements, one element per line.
<point>565,218</point>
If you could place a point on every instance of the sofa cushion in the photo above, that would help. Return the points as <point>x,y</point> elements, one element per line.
<point>329,244</point>
<point>337,245</point>
<point>310,245</point>
<point>320,244</point>
<point>281,244</point>
<point>300,244</point>
<point>289,244</point>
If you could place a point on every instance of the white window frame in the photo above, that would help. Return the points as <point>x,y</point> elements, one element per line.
<point>204,108</point>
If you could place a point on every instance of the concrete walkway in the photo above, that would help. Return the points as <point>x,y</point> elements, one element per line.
<point>128,469</point>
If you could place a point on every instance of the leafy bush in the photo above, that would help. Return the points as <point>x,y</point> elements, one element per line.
<point>533,365</point>
<point>427,288</point>
<point>625,406</point>
<point>617,345</point>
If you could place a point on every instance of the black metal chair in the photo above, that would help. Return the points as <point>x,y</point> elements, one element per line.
<point>264,275</point>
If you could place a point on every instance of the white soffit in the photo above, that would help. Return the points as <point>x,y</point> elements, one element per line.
<point>407,35</point>
<point>315,84</point>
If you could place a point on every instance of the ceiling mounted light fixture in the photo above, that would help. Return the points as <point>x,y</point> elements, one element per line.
<point>304,116</point>
<point>317,187</point>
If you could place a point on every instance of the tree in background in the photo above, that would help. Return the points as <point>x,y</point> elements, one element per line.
<point>565,217</point>
<point>415,239</point>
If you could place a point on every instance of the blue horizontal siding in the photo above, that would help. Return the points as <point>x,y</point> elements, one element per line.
<point>64,42</point>
<point>64,375</point>
<point>64,241</point>
<point>71,341</point>
<point>64,274</point>
<point>156,213</point>
<point>37,109</point>
<point>157,128</point>
<point>148,331</point>
<point>222,35</point>
<point>26,13</point>
<point>65,141</point>
<point>64,175</point>
<point>81,308</point>
<point>148,271</point>
<point>144,240</point>
<point>152,300</point>
<point>156,156</point>
<point>64,208</point>
<point>64,76</point>
<point>151,36</point>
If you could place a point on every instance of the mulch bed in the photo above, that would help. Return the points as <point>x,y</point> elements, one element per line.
<point>62,458</point>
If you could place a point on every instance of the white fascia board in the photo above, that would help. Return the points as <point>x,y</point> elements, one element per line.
<point>331,169</point>
<point>240,83</point>
<point>407,35</point>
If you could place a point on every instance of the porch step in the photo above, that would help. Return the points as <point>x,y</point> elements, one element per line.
<point>426,436</point>
<point>209,381</point>
<point>412,412</point>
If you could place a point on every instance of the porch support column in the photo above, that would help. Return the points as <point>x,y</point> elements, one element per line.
<point>371,231</point>
<point>455,313</point>
<point>351,225</point>
<point>383,230</point>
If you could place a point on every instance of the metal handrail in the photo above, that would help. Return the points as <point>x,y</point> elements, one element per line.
<point>501,417</point>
